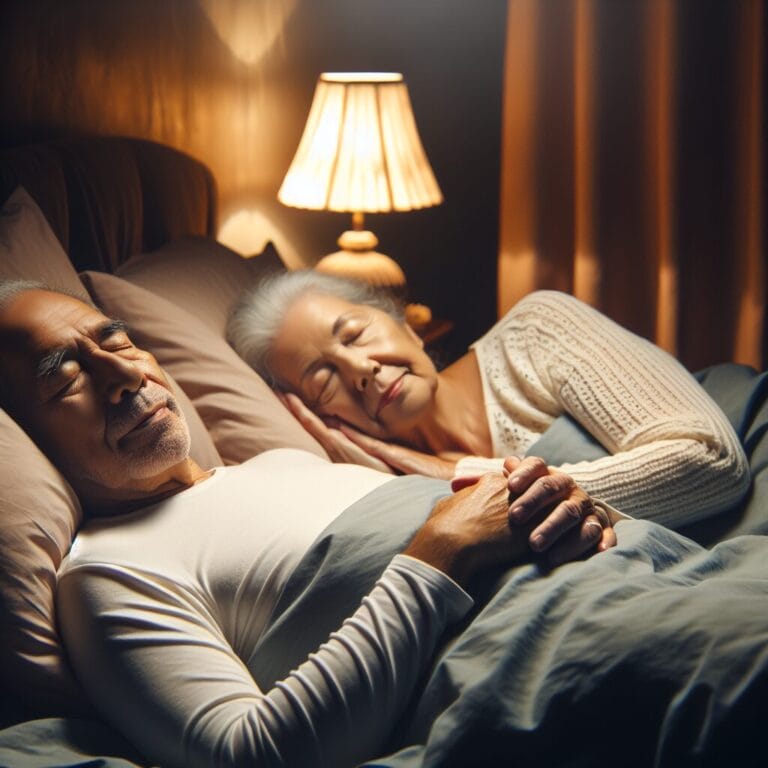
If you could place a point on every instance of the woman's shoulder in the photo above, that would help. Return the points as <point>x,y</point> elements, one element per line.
<point>549,299</point>
<point>546,306</point>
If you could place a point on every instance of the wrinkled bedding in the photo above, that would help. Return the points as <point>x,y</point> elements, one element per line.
<point>655,653</point>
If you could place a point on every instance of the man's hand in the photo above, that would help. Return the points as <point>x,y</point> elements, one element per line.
<point>528,506</point>
<point>469,531</point>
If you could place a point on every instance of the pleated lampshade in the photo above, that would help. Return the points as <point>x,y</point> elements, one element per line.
<point>360,153</point>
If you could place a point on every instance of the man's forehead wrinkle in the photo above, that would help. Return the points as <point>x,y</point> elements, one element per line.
<point>97,332</point>
<point>38,328</point>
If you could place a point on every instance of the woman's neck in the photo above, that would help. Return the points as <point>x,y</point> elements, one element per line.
<point>457,421</point>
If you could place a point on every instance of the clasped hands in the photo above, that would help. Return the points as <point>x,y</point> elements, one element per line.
<point>493,519</point>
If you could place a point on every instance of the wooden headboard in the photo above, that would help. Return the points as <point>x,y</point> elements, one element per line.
<point>107,198</point>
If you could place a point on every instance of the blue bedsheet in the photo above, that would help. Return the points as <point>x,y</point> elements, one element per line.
<point>654,653</point>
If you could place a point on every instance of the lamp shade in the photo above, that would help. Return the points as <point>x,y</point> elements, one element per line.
<point>360,151</point>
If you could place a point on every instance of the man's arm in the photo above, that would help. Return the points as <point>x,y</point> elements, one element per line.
<point>155,662</point>
<point>158,667</point>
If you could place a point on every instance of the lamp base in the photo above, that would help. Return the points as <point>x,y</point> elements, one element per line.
<point>358,260</point>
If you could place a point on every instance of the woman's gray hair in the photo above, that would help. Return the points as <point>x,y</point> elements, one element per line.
<point>256,320</point>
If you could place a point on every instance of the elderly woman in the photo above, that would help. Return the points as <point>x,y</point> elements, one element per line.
<point>358,378</point>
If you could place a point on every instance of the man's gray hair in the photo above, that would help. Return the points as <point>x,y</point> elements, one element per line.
<point>10,289</point>
<point>256,320</point>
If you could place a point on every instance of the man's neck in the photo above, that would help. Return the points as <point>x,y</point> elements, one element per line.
<point>104,502</point>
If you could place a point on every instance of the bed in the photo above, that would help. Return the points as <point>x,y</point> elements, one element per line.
<point>542,675</point>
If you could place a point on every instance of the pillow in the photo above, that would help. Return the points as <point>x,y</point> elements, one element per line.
<point>242,414</point>
<point>40,514</point>
<point>200,275</point>
<point>28,248</point>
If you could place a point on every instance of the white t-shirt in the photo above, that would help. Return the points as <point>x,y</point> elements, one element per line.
<point>161,610</point>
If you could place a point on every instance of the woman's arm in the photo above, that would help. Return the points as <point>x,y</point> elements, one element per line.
<point>675,457</point>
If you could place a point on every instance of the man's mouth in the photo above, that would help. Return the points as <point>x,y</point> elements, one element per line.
<point>390,393</point>
<point>144,420</point>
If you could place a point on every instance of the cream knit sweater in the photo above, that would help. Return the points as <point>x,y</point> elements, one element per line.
<point>675,457</point>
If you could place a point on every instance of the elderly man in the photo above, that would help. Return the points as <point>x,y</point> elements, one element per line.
<point>172,581</point>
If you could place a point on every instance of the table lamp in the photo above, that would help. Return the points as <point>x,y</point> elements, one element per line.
<point>360,153</point>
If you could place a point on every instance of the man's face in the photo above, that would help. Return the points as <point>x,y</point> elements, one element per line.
<point>98,406</point>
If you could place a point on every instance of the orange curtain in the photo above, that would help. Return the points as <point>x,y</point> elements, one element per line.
<point>633,167</point>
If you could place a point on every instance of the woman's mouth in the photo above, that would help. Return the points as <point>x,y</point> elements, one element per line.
<point>390,394</point>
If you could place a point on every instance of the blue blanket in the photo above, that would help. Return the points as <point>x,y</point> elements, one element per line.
<point>655,653</point>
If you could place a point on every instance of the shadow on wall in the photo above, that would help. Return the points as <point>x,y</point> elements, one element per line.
<point>195,76</point>
<point>231,81</point>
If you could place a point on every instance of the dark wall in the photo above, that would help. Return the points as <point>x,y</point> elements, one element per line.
<point>173,71</point>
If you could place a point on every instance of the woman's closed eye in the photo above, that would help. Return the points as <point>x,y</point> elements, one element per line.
<point>322,386</point>
<point>353,330</point>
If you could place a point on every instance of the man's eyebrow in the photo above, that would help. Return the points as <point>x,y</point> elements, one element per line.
<point>51,362</point>
<point>110,328</point>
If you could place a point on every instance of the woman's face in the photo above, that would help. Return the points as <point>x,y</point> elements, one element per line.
<point>354,362</point>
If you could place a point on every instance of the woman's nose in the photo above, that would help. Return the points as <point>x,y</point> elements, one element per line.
<point>364,372</point>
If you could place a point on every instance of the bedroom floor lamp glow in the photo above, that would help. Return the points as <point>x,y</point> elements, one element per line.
<point>360,153</point>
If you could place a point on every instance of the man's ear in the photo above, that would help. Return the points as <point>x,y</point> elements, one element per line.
<point>415,336</point>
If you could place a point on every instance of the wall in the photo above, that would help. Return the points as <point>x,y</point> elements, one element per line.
<point>231,81</point>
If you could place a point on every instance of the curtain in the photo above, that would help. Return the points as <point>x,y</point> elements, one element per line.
<point>634,167</point>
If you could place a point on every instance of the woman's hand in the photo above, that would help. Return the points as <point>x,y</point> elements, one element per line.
<point>337,445</point>
<point>573,524</point>
<point>344,443</point>
<point>399,457</point>
<point>473,529</point>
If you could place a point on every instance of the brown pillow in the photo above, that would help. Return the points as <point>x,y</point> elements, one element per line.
<point>28,248</point>
<point>200,275</point>
<point>40,514</point>
<point>242,414</point>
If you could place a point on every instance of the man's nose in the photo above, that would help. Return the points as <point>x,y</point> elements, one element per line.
<point>118,375</point>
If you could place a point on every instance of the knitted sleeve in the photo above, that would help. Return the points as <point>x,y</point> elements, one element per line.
<point>675,457</point>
